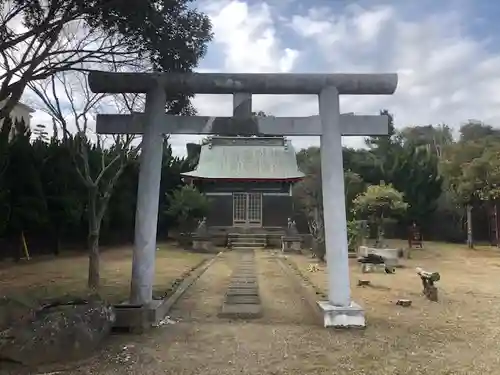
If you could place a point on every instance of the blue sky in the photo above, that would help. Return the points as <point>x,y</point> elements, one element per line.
<point>446,52</point>
<point>447,55</point>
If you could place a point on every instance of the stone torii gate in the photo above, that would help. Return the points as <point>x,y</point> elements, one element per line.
<point>330,125</point>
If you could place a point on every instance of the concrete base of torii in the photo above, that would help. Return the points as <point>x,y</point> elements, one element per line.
<point>352,316</point>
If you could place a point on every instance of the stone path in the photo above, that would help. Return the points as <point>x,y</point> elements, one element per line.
<point>242,299</point>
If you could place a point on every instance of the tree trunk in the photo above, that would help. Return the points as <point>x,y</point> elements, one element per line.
<point>470,242</point>
<point>495,218</point>
<point>380,232</point>
<point>94,276</point>
<point>93,241</point>
<point>56,233</point>
<point>17,247</point>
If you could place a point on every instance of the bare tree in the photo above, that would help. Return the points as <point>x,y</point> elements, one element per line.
<point>73,107</point>
<point>41,38</point>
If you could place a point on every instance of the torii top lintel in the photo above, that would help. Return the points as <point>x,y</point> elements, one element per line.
<point>254,83</point>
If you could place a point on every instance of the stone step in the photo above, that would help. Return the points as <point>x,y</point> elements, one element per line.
<point>247,247</point>
<point>242,292</point>
<point>242,299</point>
<point>244,277</point>
<point>242,280</point>
<point>248,240</point>
<point>239,284</point>
<point>243,285</point>
<point>246,243</point>
<point>241,311</point>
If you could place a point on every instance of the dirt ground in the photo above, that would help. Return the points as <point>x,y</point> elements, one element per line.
<point>457,335</point>
<point>67,275</point>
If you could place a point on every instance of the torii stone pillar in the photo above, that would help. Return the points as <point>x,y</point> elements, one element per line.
<point>146,215</point>
<point>339,310</point>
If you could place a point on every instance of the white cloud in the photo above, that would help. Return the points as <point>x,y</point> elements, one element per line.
<point>444,74</point>
<point>247,35</point>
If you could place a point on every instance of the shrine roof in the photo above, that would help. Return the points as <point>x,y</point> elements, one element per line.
<point>259,158</point>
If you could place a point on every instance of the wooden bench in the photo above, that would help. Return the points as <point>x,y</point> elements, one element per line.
<point>428,279</point>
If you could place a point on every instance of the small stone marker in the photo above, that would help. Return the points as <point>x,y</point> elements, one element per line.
<point>364,282</point>
<point>404,302</point>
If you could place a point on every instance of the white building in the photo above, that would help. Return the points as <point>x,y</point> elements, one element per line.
<point>20,111</point>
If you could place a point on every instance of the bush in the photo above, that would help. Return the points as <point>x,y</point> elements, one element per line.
<point>187,205</point>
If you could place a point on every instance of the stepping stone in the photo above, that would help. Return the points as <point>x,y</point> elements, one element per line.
<point>244,280</point>
<point>242,283</point>
<point>244,275</point>
<point>249,311</point>
<point>242,292</point>
<point>241,311</point>
<point>238,300</point>
<point>243,286</point>
<point>237,287</point>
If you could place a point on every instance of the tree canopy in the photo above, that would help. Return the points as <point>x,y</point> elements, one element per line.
<point>43,37</point>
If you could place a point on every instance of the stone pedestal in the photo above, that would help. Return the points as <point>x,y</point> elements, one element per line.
<point>203,244</point>
<point>185,240</point>
<point>291,244</point>
<point>352,316</point>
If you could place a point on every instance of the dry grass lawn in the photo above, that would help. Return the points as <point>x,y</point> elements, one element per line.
<point>457,335</point>
<point>67,275</point>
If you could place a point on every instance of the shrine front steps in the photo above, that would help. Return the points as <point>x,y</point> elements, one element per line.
<point>247,240</point>
<point>242,299</point>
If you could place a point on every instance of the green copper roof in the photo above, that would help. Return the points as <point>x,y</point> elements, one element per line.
<point>247,157</point>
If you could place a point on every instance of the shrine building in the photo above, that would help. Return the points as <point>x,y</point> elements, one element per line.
<point>249,182</point>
